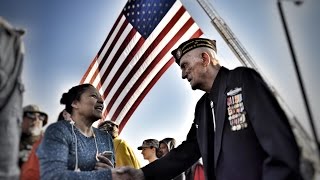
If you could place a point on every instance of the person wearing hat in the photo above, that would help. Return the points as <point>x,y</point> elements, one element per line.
<point>149,149</point>
<point>123,152</point>
<point>165,146</point>
<point>31,129</point>
<point>33,121</point>
<point>239,128</point>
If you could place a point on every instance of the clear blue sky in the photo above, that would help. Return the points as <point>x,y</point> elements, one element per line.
<point>62,37</point>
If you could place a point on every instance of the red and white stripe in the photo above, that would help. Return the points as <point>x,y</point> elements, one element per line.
<point>127,65</point>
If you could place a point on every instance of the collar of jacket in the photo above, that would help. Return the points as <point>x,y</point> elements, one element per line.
<point>213,95</point>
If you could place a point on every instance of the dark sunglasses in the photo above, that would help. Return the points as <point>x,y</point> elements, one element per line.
<point>107,127</point>
<point>34,115</point>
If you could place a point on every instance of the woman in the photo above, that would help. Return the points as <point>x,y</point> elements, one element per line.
<point>73,149</point>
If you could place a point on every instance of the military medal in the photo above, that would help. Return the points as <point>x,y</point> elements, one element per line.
<point>236,110</point>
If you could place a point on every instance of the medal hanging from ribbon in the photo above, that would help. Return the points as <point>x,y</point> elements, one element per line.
<point>236,110</point>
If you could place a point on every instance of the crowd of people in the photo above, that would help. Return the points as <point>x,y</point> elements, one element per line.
<point>68,132</point>
<point>239,132</point>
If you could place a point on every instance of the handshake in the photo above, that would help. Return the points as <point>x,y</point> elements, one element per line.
<point>127,173</point>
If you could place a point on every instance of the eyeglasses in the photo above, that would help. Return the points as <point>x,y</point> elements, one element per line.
<point>34,115</point>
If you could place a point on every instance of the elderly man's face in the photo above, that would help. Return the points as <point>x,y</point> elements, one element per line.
<point>192,68</point>
<point>32,123</point>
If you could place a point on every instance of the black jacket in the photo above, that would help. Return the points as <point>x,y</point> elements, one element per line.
<point>253,139</point>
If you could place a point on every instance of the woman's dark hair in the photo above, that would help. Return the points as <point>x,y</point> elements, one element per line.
<point>60,117</point>
<point>73,94</point>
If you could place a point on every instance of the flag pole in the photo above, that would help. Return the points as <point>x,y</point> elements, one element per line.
<point>306,102</point>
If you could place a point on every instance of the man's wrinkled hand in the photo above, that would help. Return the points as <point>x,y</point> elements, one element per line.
<point>127,173</point>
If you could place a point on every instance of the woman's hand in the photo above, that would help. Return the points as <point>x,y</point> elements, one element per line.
<point>103,163</point>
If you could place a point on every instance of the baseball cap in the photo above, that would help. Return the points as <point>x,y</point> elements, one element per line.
<point>149,143</point>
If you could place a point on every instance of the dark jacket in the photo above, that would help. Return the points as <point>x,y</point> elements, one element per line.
<point>259,145</point>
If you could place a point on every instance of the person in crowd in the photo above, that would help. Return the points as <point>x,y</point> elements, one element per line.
<point>32,130</point>
<point>165,146</point>
<point>30,169</point>
<point>74,149</point>
<point>123,152</point>
<point>64,115</point>
<point>239,128</point>
<point>149,149</point>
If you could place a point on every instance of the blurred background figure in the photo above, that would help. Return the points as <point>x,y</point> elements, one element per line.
<point>32,124</point>
<point>149,149</point>
<point>123,152</point>
<point>32,130</point>
<point>64,115</point>
<point>165,146</point>
<point>11,89</point>
<point>31,168</point>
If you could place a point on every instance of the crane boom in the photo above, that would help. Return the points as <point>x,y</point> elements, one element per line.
<point>226,33</point>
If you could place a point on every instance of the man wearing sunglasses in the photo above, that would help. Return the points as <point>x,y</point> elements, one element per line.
<point>123,152</point>
<point>31,132</point>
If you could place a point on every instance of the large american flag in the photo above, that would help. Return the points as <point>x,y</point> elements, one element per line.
<point>137,52</point>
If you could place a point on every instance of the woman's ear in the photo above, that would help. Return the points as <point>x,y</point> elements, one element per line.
<point>74,104</point>
<point>205,59</point>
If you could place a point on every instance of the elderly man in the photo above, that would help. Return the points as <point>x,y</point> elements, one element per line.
<point>239,129</point>
<point>32,124</point>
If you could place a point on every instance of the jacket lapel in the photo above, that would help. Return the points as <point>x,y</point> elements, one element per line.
<point>220,111</point>
<point>204,137</point>
<point>203,130</point>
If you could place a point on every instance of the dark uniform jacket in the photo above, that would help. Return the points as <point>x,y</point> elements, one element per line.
<point>252,141</point>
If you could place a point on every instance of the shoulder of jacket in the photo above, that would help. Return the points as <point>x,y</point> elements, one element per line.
<point>242,70</point>
<point>241,74</point>
<point>119,141</point>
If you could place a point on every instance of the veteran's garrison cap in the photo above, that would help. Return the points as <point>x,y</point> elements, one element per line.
<point>192,44</point>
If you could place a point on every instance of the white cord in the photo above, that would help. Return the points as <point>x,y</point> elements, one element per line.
<point>76,168</point>
<point>95,141</point>
<point>75,136</point>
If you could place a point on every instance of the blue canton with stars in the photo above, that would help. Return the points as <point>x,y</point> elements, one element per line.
<point>145,15</point>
